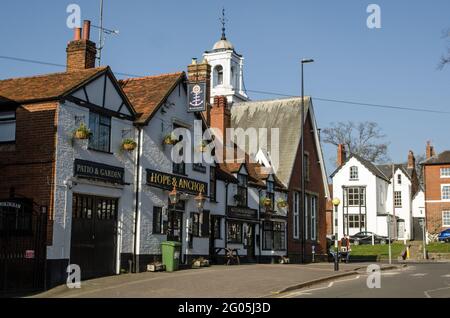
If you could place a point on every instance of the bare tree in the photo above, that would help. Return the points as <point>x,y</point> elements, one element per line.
<point>363,139</point>
<point>445,59</point>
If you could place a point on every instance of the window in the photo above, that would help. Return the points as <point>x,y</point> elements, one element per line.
<point>234,232</point>
<point>446,218</point>
<point>399,179</point>
<point>242,190</point>
<point>216,222</point>
<point>445,192</point>
<point>159,226</point>
<point>195,218</point>
<point>7,126</point>
<point>212,183</point>
<point>313,217</point>
<point>100,127</point>
<point>15,217</point>
<point>355,196</point>
<point>204,224</point>
<point>274,236</point>
<point>218,75</point>
<point>354,173</point>
<point>306,217</point>
<point>306,159</point>
<point>398,199</point>
<point>179,168</point>
<point>445,172</point>
<point>270,192</point>
<point>296,215</point>
<point>355,221</point>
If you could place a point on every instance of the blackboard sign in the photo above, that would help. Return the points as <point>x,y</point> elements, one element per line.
<point>197,97</point>
<point>98,171</point>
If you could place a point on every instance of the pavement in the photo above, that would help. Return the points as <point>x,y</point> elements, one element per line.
<point>219,281</point>
<point>417,280</point>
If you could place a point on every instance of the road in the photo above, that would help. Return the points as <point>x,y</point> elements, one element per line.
<point>413,281</point>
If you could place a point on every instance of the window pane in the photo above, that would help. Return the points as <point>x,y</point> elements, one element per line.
<point>7,131</point>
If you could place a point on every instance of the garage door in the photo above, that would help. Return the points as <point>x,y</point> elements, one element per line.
<point>93,242</point>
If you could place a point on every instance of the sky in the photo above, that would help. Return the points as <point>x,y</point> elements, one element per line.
<point>393,65</point>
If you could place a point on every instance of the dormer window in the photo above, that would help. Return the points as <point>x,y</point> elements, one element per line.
<point>218,75</point>
<point>270,192</point>
<point>242,190</point>
<point>7,126</point>
<point>354,173</point>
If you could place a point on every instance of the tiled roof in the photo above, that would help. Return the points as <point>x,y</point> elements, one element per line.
<point>283,114</point>
<point>224,174</point>
<point>44,87</point>
<point>387,170</point>
<point>148,93</point>
<point>442,158</point>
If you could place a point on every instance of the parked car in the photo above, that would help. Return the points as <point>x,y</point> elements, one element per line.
<point>444,236</point>
<point>366,238</point>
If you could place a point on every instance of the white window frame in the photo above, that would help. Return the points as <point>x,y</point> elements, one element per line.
<point>442,192</point>
<point>354,173</point>
<point>447,174</point>
<point>296,216</point>
<point>448,218</point>
<point>313,217</point>
<point>396,198</point>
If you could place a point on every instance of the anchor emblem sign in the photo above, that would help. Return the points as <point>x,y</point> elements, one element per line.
<point>196,97</point>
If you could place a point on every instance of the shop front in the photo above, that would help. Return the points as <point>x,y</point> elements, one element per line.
<point>242,232</point>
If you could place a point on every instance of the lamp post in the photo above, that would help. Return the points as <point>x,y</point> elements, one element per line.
<point>302,154</point>
<point>336,203</point>
<point>173,198</point>
<point>424,243</point>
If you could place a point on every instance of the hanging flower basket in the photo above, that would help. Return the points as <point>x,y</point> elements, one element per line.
<point>202,147</point>
<point>170,139</point>
<point>82,132</point>
<point>282,203</point>
<point>129,144</point>
<point>267,202</point>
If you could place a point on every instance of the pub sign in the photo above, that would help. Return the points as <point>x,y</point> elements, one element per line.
<point>197,97</point>
<point>168,181</point>
<point>98,171</point>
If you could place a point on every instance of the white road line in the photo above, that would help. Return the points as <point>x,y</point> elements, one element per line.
<point>433,290</point>
<point>419,274</point>
<point>308,291</point>
<point>446,276</point>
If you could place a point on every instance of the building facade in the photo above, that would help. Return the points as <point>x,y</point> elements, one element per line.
<point>436,171</point>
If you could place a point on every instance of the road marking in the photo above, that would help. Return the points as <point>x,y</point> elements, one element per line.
<point>308,291</point>
<point>446,276</point>
<point>419,274</point>
<point>433,290</point>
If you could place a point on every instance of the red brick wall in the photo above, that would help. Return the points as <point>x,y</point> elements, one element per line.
<point>28,165</point>
<point>433,182</point>
<point>314,185</point>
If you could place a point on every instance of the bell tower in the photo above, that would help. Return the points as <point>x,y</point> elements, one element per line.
<point>227,77</point>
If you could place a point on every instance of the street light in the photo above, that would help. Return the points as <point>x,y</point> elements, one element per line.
<point>336,203</point>
<point>302,154</point>
<point>173,198</point>
<point>200,200</point>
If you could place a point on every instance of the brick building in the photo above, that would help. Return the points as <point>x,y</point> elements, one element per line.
<point>436,178</point>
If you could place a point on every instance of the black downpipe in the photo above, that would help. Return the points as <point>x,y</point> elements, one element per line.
<point>136,212</point>
<point>226,210</point>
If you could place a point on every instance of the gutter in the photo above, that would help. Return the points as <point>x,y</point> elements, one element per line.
<point>136,212</point>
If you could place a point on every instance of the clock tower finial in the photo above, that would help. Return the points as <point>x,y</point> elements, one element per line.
<point>223,20</point>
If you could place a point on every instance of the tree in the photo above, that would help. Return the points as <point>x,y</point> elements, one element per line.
<point>363,139</point>
<point>445,59</point>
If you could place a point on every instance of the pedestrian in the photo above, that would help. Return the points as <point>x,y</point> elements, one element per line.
<point>345,247</point>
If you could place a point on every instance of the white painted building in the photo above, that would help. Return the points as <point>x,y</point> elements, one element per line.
<point>366,192</point>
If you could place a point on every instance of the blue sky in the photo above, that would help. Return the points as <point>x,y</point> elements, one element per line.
<point>394,65</point>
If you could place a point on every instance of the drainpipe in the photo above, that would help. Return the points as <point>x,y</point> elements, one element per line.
<point>136,212</point>
<point>226,209</point>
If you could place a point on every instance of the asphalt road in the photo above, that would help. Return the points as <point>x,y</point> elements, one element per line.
<point>413,281</point>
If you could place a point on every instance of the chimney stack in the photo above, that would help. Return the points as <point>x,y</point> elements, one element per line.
<point>341,155</point>
<point>81,52</point>
<point>411,160</point>
<point>202,73</point>
<point>430,150</point>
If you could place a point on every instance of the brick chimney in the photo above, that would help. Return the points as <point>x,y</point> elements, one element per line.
<point>202,73</point>
<point>411,160</point>
<point>341,155</point>
<point>81,51</point>
<point>221,115</point>
<point>430,150</point>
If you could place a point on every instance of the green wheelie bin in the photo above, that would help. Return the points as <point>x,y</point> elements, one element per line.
<point>171,255</point>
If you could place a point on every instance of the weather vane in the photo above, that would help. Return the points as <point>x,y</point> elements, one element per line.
<point>223,20</point>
